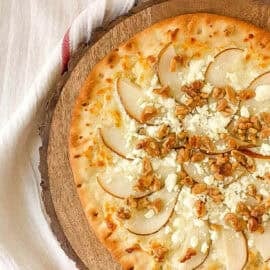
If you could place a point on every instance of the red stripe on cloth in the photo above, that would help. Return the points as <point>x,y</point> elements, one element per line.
<point>65,52</point>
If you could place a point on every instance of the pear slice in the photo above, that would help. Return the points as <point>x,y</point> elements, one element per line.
<point>201,234</point>
<point>260,80</point>
<point>165,75</point>
<point>254,153</point>
<point>130,94</point>
<point>224,62</point>
<point>119,185</point>
<point>231,246</point>
<point>262,243</point>
<point>114,139</point>
<point>260,103</point>
<point>141,224</point>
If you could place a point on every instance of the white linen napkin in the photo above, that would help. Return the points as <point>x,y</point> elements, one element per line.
<point>26,240</point>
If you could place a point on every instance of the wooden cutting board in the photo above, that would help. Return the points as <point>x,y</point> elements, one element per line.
<point>59,192</point>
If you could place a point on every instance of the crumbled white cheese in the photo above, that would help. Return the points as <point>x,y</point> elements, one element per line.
<point>204,247</point>
<point>209,179</point>
<point>250,243</point>
<point>198,222</point>
<point>177,222</point>
<point>177,237</point>
<point>265,217</point>
<point>170,181</point>
<point>244,111</point>
<point>213,235</point>
<point>207,88</point>
<point>264,192</point>
<point>265,149</point>
<point>262,92</point>
<point>167,229</point>
<point>203,122</point>
<point>149,214</point>
<point>194,241</point>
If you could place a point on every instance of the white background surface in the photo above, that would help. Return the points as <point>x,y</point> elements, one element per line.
<point>30,63</point>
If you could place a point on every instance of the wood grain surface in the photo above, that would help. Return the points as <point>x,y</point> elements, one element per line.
<point>59,192</point>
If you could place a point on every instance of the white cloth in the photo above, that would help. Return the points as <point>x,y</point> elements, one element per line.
<point>31,62</point>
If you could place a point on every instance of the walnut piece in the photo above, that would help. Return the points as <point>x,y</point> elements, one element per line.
<point>183,155</point>
<point>158,251</point>
<point>148,113</point>
<point>200,208</point>
<point>163,91</point>
<point>235,222</point>
<point>123,213</point>
<point>246,94</point>
<point>189,254</point>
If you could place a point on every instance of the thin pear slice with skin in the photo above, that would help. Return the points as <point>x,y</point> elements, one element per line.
<point>231,246</point>
<point>140,225</point>
<point>129,94</point>
<point>165,75</point>
<point>254,153</point>
<point>224,62</point>
<point>119,186</point>
<point>262,243</point>
<point>114,139</point>
<point>202,235</point>
<point>260,80</point>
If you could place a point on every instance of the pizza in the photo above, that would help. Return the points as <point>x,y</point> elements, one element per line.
<point>169,146</point>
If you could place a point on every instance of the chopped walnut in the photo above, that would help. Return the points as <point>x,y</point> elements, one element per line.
<point>148,113</point>
<point>156,205</point>
<point>183,155</point>
<point>163,91</point>
<point>169,143</point>
<point>185,179</point>
<point>244,160</point>
<point>109,223</point>
<point>235,222</point>
<point>143,203</point>
<point>158,251</point>
<point>133,248</point>
<point>230,94</point>
<point>181,111</point>
<point>177,61</point>
<point>189,254</point>
<point>242,209</point>
<point>200,208</point>
<point>218,93</point>
<point>197,157</point>
<point>156,185</point>
<point>144,182</point>
<point>147,166</point>
<point>215,194</point>
<point>131,202</point>
<point>265,133</point>
<point>221,167</point>
<point>150,145</point>
<point>265,116</point>
<point>193,89</point>
<point>251,190</point>
<point>123,213</point>
<point>222,104</point>
<point>252,224</point>
<point>163,131</point>
<point>258,211</point>
<point>246,94</point>
<point>183,135</point>
<point>199,188</point>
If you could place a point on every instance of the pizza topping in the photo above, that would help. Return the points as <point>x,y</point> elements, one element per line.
<point>246,94</point>
<point>164,91</point>
<point>235,222</point>
<point>189,254</point>
<point>148,113</point>
<point>151,146</point>
<point>135,247</point>
<point>200,208</point>
<point>158,251</point>
<point>123,213</point>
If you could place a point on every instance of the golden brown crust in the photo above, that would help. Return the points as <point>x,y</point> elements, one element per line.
<point>193,30</point>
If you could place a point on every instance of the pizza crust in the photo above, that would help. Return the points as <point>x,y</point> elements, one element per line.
<point>217,31</point>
